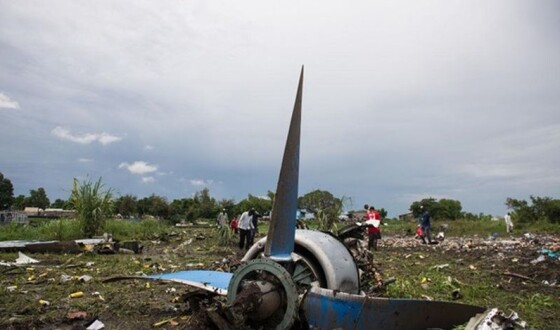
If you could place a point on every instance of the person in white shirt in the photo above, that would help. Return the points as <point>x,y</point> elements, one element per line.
<point>222,219</point>
<point>509,224</point>
<point>245,228</point>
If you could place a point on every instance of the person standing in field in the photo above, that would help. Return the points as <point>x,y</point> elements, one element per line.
<point>222,218</point>
<point>255,220</point>
<point>509,224</point>
<point>426,225</point>
<point>245,226</point>
<point>373,228</point>
<point>233,225</point>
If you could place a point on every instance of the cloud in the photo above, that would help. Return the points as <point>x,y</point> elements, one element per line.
<point>148,179</point>
<point>139,167</point>
<point>201,182</point>
<point>148,147</point>
<point>87,138</point>
<point>85,160</point>
<point>7,103</point>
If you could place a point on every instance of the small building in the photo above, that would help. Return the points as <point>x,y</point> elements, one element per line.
<point>7,217</point>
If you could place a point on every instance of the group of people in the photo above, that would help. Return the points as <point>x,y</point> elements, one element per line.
<point>246,226</point>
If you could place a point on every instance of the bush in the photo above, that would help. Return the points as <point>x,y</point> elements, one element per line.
<point>92,205</point>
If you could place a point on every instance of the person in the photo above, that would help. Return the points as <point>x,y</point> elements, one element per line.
<point>420,234</point>
<point>509,224</point>
<point>374,227</point>
<point>222,218</point>
<point>426,225</point>
<point>245,226</point>
<point>233,225</point>
<point>255,220</point>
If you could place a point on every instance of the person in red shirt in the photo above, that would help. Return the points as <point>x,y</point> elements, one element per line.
<point>373,228</point>
<point>233,225</point>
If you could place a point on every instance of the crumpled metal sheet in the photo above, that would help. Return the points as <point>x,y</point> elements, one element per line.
<point>209,280</point>
<point>494,319</point>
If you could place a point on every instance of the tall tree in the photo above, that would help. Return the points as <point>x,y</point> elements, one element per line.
<point>60,204</point>
<point>6,193</point>
<point>449,209</point>
<point>126,205</point>
<point>38,198</point>
<point>19,202</point>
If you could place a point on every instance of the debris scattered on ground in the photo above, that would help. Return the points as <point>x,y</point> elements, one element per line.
<point>494,319</point>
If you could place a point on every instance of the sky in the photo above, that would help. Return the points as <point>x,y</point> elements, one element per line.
<point>402,100</point>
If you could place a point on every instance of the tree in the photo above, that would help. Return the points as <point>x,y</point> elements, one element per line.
<point>60,204</point>
<point>19,202</point>
<point>449,209</point>
<point>6,193</point>
<point>326,207</point>
<point>92,205</point>
<point>443,209</point>
<point>38,198</point>
<point>126,205</point>
<point>205,204</point>
<point>153,205</point>
<point>542,209</point>
<point>260,204</point>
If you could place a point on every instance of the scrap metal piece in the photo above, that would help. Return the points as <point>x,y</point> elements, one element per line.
<point>209,280</point>
<point>328,309</point>
<point>282,227</point>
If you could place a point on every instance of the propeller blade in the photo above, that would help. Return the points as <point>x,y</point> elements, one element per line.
<point>282,229</point>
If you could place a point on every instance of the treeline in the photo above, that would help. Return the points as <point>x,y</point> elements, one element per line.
<point>544,209</point>
<point>201,206</point>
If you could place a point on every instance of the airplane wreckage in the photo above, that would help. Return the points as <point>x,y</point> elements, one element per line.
<point>299,278</point>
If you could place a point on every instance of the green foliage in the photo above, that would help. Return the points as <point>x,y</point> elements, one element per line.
<point>153,205</point>
<point>92,205</point>
<point>225,236</point>
<point>60,230</point>
<point>6,193</point>
<point>540,209</point>
<point>60,204</point>
<point>125,205</point>
<point>38,198</point>
<point>261,205</point>
<point>447,209</point>
<point>19,202</point>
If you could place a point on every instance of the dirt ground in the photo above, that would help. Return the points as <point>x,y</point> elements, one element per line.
<point>503,273</point>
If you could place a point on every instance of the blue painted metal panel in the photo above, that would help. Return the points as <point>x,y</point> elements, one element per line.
<point>204,279</point>
<point>327,309</point>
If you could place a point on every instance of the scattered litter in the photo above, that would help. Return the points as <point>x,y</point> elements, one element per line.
<point>76,315</point>
<point>541,258</point>
<point>160,323</point>
<point>77,294</point>
<point>439,267</point>
<point>44,302</point>
<point>456,294</point>
<point>11,288</point>
<point>96,325</point>
<point>65,278</point>
<point>24,260</point>
<point>494,319</point>
<point>472,267</point>
<point>97,294</point>
<point>84,278</point>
